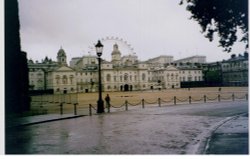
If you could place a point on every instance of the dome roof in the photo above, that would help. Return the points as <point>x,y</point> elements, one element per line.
<point>115,50</point>
<point>61,52</point>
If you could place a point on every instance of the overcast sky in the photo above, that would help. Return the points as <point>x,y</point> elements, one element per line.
<point>150,27</point>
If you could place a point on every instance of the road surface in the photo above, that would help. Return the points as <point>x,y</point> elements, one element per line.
<point>181,129</point>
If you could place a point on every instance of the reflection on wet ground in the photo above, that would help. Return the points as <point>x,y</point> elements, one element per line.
<point>159,130</point>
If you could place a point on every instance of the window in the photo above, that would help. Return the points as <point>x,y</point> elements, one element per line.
<point>39,74</point>
<point>125,77</point>
<point>172,76</point>
<point>57,79</point>
<point>108,78</point>
<point>65,79</point>
<point>143,77</point>
<point>71,79</point>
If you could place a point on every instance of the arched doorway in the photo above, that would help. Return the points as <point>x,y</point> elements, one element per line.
<point>126,87</point>
<point>65,91</point>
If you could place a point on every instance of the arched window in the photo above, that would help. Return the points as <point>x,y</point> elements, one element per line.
<point>125,77</point>
<point>108,78</point>
<point>172,76</point>
<point>71,79</point>
<point>65,79</point>
<point>57,79</point>
<point>143,77</point>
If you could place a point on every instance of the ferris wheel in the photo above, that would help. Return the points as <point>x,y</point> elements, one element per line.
<point>108,42</point>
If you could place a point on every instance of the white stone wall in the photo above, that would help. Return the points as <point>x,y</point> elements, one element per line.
<point>63,81</point>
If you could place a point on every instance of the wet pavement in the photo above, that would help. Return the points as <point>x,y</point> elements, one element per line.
<point>182,129</point>
<point>230,138</point>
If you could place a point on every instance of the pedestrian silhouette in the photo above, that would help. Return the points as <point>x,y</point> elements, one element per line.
<point>107,99</point>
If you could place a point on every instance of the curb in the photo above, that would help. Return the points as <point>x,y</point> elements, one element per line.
<point>43,121</point>
<point>204,144</point>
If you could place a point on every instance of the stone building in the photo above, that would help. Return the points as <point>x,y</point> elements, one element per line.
<point>51,75</point>
<point>192,59</point>
<point>231,72</point>
<point>122,73</point>
<point>235,70</point>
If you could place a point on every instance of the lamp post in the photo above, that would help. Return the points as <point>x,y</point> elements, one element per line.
<point>100,105</point>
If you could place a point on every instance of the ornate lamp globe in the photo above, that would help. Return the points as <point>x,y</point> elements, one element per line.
<point>99,48</point>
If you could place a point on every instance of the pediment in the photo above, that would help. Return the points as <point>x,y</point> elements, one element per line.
<point>171,68</point>
<point>64,69</point>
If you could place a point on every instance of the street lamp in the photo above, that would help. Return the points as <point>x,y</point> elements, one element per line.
<point>100,105</point>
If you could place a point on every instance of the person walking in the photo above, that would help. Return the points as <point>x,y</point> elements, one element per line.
<point>107,99</point>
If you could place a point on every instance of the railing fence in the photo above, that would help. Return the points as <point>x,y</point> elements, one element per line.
<point>68,103</point>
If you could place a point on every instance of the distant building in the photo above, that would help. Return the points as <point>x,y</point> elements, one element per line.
<point>51,75</point>
<point>212,74</point>
<point>235,70</point>
<point>231,72</point>
<point>122,73</point>
<point>192,59</point>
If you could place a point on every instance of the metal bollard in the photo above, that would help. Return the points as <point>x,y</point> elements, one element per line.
<point>205,98</point>
<point>159,102</point>
<point>61,108</point>
<point>142,101</point>
<point>174,100</point>
<point>189,99</point>
<point>90,111</point>
<point>233,96</point>
<point>219,97</point>
<point>75,110</point>
<point>126,105</point>
<point>109,108</point>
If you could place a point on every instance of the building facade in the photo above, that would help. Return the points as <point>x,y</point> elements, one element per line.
<point>122,73</point>
<point>231,72</point>
<point>235,70</point>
